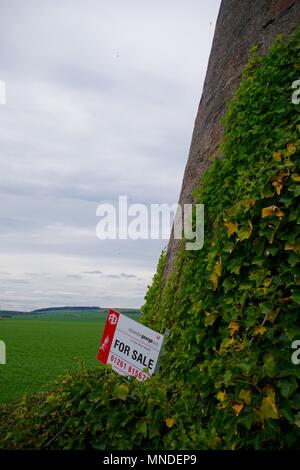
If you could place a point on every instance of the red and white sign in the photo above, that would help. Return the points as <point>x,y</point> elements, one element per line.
<point>131,348</point>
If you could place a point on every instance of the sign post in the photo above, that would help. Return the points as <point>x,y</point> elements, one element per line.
<point>130,348</point>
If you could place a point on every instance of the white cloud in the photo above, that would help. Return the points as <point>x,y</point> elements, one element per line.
<point>101,101</point>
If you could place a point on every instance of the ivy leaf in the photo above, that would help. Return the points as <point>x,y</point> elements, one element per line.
<point>233,328</point>
<point>278,185</point>
<point>245,396</point>
<point>141,428</point>
<point>277,156</point>
<point>266,307</point>
<point>269,366</point>
<point>295,177</point>
<point>296,296</point>
<point>292,247</point>
<point>238,408</point>
<point>268,282</point>
<point>272,210</point>
<point>221,396</point>
<point>247,203</point>
<point>291,148</point>
<point>214,281</point>
<point>228,284</point>
<point>268,408</point>
<point>293,259</point>
<point>271,317</point>
<point>226,343</point>
<point>231,227</point>
<point>218,268</point>
<point>210,318</point>
<point>286,411</point>
<point>239,346</point>
<point>246,420</point>
<point>121,392</point>
<point>267,193</point>
<point>234,265</point>
<point>245,233</point>
<point>227,377</point>
<point>287,386</point>
<point>170,422</point>
<point>259,330</point>
<point>214,277</point>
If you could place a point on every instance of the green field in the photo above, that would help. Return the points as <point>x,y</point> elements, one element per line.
<point>41,347</point>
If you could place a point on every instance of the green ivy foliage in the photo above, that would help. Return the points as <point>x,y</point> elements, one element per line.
<point>91,409</point>
<point>226,379</point>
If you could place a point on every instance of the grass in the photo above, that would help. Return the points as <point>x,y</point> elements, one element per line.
<point>65,316</point>
<point>40,347</point>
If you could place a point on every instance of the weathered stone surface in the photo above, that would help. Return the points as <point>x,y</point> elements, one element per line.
<point>240,25</point>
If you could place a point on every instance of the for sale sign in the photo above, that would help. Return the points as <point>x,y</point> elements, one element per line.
<point>131,348</point>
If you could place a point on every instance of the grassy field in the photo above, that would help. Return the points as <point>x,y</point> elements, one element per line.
<point>42,347</point>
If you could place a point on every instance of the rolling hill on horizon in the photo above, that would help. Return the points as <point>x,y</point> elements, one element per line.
<point>64,310</point>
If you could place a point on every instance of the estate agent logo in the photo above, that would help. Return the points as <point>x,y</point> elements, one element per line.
<point>113,319</point>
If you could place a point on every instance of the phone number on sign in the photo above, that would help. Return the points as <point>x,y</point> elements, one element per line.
<point>128,368</point>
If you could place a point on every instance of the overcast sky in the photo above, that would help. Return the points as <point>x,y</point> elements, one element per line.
<point>101,102</point>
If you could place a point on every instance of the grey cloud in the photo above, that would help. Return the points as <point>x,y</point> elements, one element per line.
<point>96,272</point>
<point>128,276</point>
<point>14,281</point>
<point>36,274</point>
<point>120,276</point>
